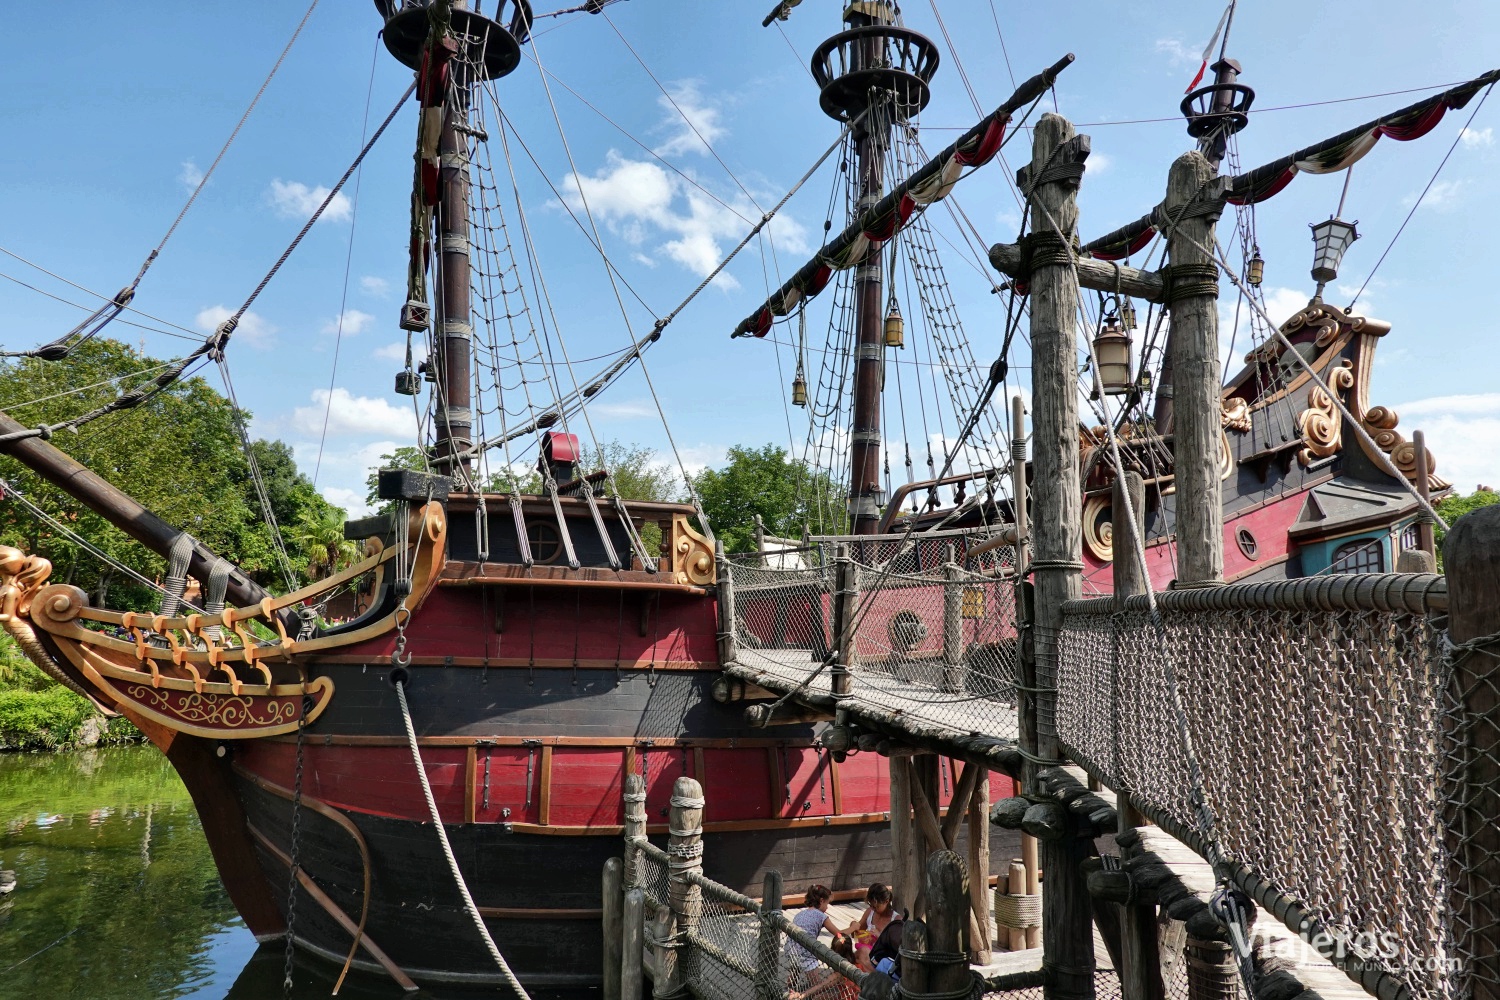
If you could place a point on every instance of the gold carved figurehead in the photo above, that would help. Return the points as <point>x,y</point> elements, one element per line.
<point>21,578</point>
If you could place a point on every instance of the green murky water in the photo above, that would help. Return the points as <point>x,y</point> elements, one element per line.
<point>116,894</point>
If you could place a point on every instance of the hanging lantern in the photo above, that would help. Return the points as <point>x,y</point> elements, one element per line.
<point>1331,238</point>
<point>1127,314</point>
<point>1257,268</point>
<point>1112,351</point>
<point>799,391</point>
<point>895,328</point>
<point>408,383</point>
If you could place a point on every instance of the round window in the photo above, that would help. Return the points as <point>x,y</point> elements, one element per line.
<point>546,544</point>
<point>907,630</point>
<point>1247,543</point>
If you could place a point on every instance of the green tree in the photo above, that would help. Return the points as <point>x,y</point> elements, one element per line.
<point>320,542</point>
<point>179,453</point>
<point>789,495</point>
<point>1454,506</point>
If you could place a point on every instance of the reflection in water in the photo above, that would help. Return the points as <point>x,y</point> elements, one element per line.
<point>117,897</point>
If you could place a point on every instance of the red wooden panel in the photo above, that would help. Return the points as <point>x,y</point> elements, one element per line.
<point>378,780</point>
<point>865,783</point>
<point>662,768</point>
<point>735,784</point>
<point>587,785</point>
<point>508,786</point>
<point>805,772</point>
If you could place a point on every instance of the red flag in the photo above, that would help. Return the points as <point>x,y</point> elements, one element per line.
<point>1209,49</point>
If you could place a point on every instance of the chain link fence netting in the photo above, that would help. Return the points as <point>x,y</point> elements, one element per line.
<point>934,624</point>
<point>1315,710</point>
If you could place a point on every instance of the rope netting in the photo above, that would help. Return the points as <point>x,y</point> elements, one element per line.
<point>934,635</point>
<point>1323,741</point>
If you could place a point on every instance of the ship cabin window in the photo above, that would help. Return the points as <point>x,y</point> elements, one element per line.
<point>1409,537</point>
<point>1363,555</point>
<point>546,544</point>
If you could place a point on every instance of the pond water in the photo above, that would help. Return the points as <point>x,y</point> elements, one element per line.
<point>116,893</point>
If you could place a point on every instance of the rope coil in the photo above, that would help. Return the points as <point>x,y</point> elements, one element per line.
<point>1190,281</point>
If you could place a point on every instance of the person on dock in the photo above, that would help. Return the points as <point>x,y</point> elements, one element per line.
<point>813,918</point>
<point>879,911</point>
<point>831,985</point>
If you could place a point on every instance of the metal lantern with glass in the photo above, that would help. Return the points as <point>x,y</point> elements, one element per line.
<point>1112,352</point>
<point>1331,238</point>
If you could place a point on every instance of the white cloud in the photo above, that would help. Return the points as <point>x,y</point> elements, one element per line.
<point>191,176</point>
<point>1280,303</point>
<point>354,416</point>
<point>1178,53</point>
<point>1442,196</point>
<point>643,260</point>
<point>375,286</point>
<point>697,457</point>
<point>295,200</point>
<point>1473,137</point>
<point>1460,431</point>
<point>354,323</point>
<point>396,351</point>
<point>252,329</point>
<point>1098,163</point>
<point>693,122</point>
<point>644,203</point>
<point>629,409</point>
<point>353,502</point>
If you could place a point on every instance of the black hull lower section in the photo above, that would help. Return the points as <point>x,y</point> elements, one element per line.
<point>416,914</point>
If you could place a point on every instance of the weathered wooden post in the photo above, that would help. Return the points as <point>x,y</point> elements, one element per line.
<point>613,926</point>
<point>979,864</point>
<point>953,624</point>
<point>770,983</point>
<point>727,619</point>
<point>635,828</point>
<point>1018,476</point>
<point>1051,181</point>
<point>1471,556</point>
<point>845,608</point>
<point>1422,559</point>
<point>1140,975</point>
<point>666,980</point>
<point>1031,865</point>
<point>1193,346</point>
<point>942,963</point>
<point>632,944</point>
<point>684,860</point>
<point>905,853</point>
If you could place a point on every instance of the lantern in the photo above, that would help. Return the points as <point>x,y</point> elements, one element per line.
<point>799,391</point>
<point>1256,269</point>
<point>895,329</point>
<point>1127,314</point>
<point>1331,238</point>
<point>1112,352</point>
<point>408,383</point>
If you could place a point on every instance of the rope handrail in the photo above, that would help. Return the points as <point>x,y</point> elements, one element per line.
<point>1414,593</point>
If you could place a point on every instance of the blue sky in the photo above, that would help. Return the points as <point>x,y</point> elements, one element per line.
<point>112,109</point>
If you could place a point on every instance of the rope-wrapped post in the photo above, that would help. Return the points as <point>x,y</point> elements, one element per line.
<point>632,944</point>
<point>613,925</point>
<point>1471,554</point>
<point>770,984</point>
<point>1194,376</point>
<point>845,616</point>
<point>684,895</point>
<point>635,828</point>
<point>935,960</point>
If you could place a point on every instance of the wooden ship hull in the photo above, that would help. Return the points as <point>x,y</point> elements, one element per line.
<point>532,696</point>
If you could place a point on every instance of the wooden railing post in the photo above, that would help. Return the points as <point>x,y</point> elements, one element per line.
<point>953,624</point>
<point>845,605</point>
<point>613,926</point>
<point>684,859</point>
<point>940,964</point>
<point>1471,555</point>
<point>1140,975</point>
<point>635,827</point>
<point>727,621</point>
<point>1193,354</point>
<point>770,983</point>
<point>632,944</point>
<point>1052,180</point>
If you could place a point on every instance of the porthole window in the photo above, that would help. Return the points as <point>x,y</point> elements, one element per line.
<point>1247,543</point>
<point>546,544</point>
<point>907,630</point>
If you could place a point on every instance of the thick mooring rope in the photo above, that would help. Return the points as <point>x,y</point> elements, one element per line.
<point>437,823</point>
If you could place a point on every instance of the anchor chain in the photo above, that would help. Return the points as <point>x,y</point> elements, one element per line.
<point>291,887</point>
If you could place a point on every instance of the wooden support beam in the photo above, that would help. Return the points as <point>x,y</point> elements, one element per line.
<point>1471,554</point>
<point>613,925</point>
<point>1096,275</point>
<point>958,806</point>
<point>947,922</point>
<point>1194,406</point>
<point>770,984</point>
<point>927,821</point>
<point>1067,935</point>
<point>633,945</point>
<point>904,847</point>
<point>979,869</point>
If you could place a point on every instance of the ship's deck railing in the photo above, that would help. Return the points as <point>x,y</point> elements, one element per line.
<point>1320,714</point>
<point>930,637</point>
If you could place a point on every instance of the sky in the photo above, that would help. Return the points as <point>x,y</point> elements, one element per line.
<point>115,118</point>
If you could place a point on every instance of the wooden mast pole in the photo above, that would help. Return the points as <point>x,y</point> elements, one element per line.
<point>1193,346</point>
<point>1052,180</point>
<point>454,328</point>
<point>871,139</point>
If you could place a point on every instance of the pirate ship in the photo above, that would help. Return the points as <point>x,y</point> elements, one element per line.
<point>520,653</point>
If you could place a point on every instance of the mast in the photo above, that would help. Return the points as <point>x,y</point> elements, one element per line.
<point>873,74</point>
<point>452,49</point>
